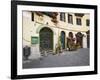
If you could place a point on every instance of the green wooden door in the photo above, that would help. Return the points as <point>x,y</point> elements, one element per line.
<point>63,39</point>
<point>46,39</point>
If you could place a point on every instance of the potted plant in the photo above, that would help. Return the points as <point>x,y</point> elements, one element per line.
<point>59,46</point>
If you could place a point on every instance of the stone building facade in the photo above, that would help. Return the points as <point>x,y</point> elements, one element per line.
<point>44,31</point>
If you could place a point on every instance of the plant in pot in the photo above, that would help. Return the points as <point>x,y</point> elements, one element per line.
<point>58,46</point>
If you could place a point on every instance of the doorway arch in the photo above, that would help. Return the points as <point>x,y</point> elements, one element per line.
<point>46,39</point>
<point>88,38</point>
<point>63,39</point>
<point>79,39</point>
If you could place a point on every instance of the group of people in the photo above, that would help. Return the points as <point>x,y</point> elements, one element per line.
<point>74,43</point>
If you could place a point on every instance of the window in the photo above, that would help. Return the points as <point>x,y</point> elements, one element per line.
<point>78,21</point>
<point>32,16</point>
<point>87,22</point>
<point>70,19</point>
<point>62,16</point>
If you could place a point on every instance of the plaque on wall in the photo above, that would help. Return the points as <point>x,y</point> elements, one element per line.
<point>34,40</point>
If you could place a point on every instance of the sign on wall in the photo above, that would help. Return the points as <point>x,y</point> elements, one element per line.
<point>34,40</point>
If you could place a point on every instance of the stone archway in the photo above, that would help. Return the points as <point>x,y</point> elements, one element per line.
<point>46,39</point>
<point>70,41</point>
<point>63,39</point>
<point>79,39</point>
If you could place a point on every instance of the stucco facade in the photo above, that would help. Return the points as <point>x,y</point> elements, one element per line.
<point>33,28</point>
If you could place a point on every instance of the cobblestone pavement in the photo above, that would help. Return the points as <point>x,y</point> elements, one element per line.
<point>67,58</point>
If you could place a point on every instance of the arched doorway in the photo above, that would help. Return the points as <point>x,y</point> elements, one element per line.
<point>63,39</point>
<point>79,39</point>
<point>46,39</point>
<point>88,38</point>
<point>70,41</point>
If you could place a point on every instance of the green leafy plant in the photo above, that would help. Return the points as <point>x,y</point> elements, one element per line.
<point>59,46</point>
